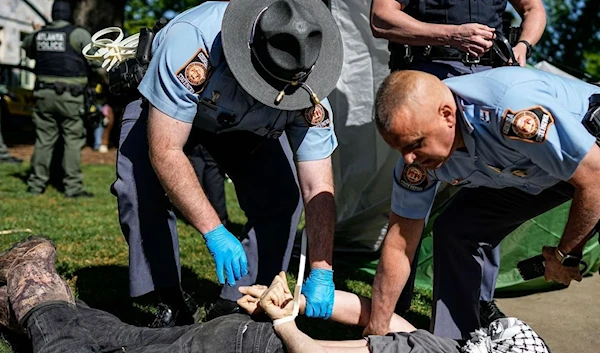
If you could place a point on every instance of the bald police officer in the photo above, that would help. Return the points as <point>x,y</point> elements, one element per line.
<point>248,81</point>
<point>513,138</point>
<point>447,39</point>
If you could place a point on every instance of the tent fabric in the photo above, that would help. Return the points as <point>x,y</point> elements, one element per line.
<point>363,163</point>
<point>525,242</point>
<point>546,66</point>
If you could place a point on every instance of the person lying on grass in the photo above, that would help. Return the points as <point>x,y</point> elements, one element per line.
<point>507,335</point>
<point>35,299</point>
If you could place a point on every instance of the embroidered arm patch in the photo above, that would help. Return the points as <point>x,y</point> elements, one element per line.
<point>194,74</point>
<point>316,116</point>
<point>529,125</point>
<point>414,177</point>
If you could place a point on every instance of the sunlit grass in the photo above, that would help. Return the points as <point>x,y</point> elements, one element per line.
<point>92,252</point>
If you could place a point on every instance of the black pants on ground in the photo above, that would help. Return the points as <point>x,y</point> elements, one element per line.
<point>62,328</point>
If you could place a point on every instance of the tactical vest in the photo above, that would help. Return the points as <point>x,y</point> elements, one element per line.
<point>456,12</point>
<point>54,56</point>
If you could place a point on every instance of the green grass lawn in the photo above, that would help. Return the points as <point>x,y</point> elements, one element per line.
<point>92,253</point>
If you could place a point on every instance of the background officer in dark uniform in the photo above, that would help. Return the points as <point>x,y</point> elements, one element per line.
<point>449,38</point>
<point>62,74</point>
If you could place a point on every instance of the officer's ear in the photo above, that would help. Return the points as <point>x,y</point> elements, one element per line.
<point>448,114</point>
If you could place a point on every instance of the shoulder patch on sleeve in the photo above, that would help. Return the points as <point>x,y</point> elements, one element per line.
<point>316,116</point>
<point>194,74</point>
<point>529,125</point>
<point>414,177</point>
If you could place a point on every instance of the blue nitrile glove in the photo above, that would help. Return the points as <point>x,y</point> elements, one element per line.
<point>228,254</point>
<point>319,292</point>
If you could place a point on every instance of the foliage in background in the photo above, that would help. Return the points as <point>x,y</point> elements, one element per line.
<point>572,37</point>
<point>571,40</point>
<point>143,13</point>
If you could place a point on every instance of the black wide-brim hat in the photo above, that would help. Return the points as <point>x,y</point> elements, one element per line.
<point>236,31</point>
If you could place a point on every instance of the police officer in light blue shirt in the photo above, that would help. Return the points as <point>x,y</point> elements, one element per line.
<point>514,139</point>
<point>248,80</point>
<point>447,39</point>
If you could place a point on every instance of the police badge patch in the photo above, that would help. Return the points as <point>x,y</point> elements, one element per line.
<point>414,177</point>
<point>316,116</point>
<point>529,125</point>
<point>194,74</point>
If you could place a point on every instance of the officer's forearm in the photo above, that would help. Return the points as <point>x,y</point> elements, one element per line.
<point>534,19</point>
<point>26,45</point>
<point>351,309</point>
<point>181,185</point>
<point>316,183</point>
<point>183,188</point>
<point>297,341</point>
<point>583,216</point>
<point>585,208</point>
<point>389,21</point>
<point>393,270</point>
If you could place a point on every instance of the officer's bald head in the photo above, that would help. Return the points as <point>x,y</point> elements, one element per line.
<point>406,92</point>
<point>414,109</point>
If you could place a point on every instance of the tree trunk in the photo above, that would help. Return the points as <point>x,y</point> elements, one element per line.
<point>95,15</point>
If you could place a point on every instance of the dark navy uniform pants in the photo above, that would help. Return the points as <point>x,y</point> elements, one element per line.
<point>491,256</point>
<point>469,227</point>
<point>264,176</point>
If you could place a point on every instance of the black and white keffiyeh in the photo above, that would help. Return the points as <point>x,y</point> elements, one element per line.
<point>507,335</point>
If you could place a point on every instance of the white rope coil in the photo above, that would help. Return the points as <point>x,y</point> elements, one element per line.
<point>111,51</point>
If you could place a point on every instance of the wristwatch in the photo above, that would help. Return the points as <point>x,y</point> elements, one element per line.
<point>528,53</point>
<point>568,260</point>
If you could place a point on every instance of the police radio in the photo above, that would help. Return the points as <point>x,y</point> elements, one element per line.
<point>591,120</point>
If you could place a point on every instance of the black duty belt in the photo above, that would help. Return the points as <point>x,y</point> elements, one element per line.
<point>61,87</point>
<point>450,54</point>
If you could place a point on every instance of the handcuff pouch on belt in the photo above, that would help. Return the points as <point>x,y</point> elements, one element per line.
<point>503,50</point>
<point>591,120</point>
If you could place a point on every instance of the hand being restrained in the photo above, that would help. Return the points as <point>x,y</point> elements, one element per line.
<point>276,300</point>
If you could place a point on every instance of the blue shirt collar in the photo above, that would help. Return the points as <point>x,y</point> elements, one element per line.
<point>465,126</point>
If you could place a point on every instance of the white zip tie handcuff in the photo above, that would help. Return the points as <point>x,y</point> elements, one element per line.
<point>109,51</point>
<point>298,289</point>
